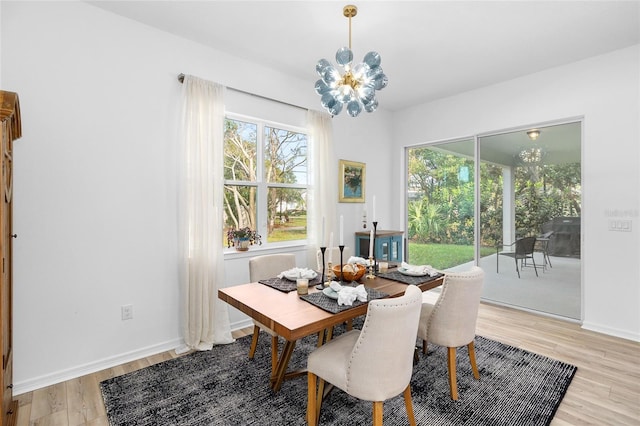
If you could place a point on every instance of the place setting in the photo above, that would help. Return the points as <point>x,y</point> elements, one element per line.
<point>412,274</point>
<point>347,292</point>
<point>290,279</point>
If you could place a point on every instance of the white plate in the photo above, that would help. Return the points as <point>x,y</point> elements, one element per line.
<point>404,271</point>
<point>328,291</point>
<point>294,275</point>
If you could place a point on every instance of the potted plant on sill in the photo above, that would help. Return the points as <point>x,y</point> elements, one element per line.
<point>242,238</point>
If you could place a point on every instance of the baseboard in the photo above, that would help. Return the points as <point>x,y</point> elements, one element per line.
<point>238,325</point>
<point>531,311</point>
<point>623,334</point>
<point>93,367</point>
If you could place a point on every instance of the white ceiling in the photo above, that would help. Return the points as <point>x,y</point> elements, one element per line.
<point>429,49</point>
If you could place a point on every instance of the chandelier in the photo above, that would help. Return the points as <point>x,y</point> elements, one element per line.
<point>356,87</point>
<point>531,155</point>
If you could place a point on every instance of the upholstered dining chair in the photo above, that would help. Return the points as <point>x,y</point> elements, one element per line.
<point>523,250</point>
<point>373,364</point>
<point>260,268</point>
<point>451,321</point>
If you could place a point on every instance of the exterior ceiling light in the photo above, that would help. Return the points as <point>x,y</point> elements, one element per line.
<point>355,87</point>
<point>533,134</point>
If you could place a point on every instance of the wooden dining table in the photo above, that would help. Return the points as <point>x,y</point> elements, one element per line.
<point>293,318</point>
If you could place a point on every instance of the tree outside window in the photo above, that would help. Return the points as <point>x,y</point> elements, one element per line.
<point>266,179</point>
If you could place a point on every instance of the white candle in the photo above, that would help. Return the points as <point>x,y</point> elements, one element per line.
<point>322,244</point>
<point>330,247</point>
<point>341,230</point>
<point>371,244</point>
<point>374,218</point>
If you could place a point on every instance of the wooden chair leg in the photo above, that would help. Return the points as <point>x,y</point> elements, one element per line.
<point>254,341</point>
<point>311,399</point>
<point>472,358</point>
<point>377,413</point>
<point>319,398</point>
<point>349,325</point>
<point>453,382</point>
<point>408,403</point>
<point>424,346</point>
<point>274,353</point>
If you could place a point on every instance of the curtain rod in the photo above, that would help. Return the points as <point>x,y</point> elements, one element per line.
<point>181,80</point>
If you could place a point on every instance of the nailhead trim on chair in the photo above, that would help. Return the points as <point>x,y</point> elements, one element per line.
<point>363,332</point>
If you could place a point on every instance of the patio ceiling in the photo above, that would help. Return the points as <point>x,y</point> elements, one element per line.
<point>561,144</point>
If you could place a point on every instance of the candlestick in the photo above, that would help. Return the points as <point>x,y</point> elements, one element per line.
<point>375,231</point>
<point>370,275</point>
<point>321,285</point>
<point>371,243</point>
<point>341,230</point>
<point>341,247</point>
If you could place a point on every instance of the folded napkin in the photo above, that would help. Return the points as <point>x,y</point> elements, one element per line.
<point>348,295</point>
<point>358,260</point>
<point>298,273</point>
<point>420,269</point>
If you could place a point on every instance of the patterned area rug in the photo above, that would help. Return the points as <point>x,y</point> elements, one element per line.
<point>224,387</point>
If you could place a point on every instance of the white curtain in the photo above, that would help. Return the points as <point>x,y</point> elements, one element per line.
<point>323,195</point>
<point>206,320</point>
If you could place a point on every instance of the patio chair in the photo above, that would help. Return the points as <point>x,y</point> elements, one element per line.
<point>542,246</point>
<point>523,251</point>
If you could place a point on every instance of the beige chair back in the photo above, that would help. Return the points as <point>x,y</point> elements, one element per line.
<point>270,265</point>
<point>385,346</point>
<point>453,320</point>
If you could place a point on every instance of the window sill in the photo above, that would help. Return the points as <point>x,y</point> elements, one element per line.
<point>286,247</point>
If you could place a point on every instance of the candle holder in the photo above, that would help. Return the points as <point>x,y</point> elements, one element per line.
<point>375,261</point>
<point>329,274</point>
<point>341,262</point>
<point>321,285</point>
<point>370,275</point>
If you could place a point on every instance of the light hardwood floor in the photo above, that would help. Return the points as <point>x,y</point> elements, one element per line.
<point>604,391</point>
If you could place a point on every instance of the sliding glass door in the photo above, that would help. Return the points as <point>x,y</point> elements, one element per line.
<point>529,186</point>
<point>440,204</point>
<point>530,183</point>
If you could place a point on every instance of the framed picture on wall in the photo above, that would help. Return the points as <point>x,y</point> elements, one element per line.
<point>352,181</point>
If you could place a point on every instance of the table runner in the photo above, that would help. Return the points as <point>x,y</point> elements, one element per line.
<point>408,279</point>
<point>286,285</point>
<point>328,304</point>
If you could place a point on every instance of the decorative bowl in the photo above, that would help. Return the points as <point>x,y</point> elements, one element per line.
<point>351,271</point>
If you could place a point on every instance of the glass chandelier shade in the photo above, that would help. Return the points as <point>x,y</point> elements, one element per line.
<point>353,86</point>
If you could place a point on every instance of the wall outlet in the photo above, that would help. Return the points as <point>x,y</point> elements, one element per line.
<point>620,225</point>
<point>127,312</point>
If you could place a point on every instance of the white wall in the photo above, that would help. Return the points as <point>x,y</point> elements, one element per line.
<point>95,181</point>
<point>605,90</point>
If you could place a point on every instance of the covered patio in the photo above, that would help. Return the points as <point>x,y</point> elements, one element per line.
<point>555,291</point>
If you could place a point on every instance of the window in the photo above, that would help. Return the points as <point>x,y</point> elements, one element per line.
<point>266,178</point>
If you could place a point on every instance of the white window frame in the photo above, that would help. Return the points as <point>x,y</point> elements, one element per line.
<point>262,185</point>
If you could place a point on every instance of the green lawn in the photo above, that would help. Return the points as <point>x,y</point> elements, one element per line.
<point>442,256</point>
<point>294,229</point>
<point>439,256</point>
